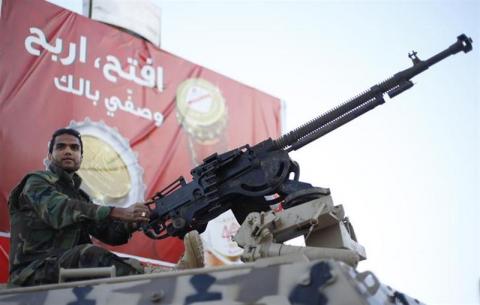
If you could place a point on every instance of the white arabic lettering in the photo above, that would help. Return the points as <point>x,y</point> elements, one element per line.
<point>112,70</point>
<point>38,38</point>
<point>113,65</point>
<point>66,84</point>
<point>158,118</point>
<point>114,103</point>
<point>89,95</point>
<point>41,40</point>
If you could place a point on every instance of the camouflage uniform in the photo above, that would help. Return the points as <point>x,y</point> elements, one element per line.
<point>51,222</point>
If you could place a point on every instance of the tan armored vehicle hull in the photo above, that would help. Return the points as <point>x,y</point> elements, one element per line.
<point>282,280</point>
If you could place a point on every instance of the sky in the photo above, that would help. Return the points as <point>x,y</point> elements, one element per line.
<point>407,173</point>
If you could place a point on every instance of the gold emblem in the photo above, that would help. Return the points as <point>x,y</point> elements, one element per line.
<point>201,110</point>
<point>103,171</point>
<point>110,170</point>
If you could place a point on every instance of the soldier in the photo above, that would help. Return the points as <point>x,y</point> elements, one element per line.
<point>52,219</point>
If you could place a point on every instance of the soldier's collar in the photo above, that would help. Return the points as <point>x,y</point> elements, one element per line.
<point>63,175</point>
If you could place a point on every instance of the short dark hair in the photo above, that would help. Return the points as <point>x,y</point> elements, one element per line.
<point>68,131</point>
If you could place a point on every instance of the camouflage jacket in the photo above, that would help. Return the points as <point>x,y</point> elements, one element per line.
<point>49,214</point>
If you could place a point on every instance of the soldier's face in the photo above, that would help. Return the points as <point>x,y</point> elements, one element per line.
<point>66,153</point>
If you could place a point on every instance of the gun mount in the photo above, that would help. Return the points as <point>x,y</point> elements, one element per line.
<point>328,233</point>
<point>252,178</point>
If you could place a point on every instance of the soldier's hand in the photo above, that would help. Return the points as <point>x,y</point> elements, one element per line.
<point>138,213</point>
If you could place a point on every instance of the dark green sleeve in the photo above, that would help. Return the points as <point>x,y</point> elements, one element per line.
<point>56,208</point>
<point>111,232</point>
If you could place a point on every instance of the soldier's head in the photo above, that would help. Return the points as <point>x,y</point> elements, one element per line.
<point>65,149</point>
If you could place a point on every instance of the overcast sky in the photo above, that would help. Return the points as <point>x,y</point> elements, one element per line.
<point>407,173</point>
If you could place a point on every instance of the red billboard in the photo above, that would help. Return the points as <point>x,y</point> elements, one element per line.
<point>146,116</point>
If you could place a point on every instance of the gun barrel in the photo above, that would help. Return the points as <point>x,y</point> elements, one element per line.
<point>463,43</point>
<point>366,101</point>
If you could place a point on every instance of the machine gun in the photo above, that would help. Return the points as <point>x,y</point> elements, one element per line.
<point>252,178</point>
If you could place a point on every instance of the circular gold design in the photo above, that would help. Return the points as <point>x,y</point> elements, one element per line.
<point>103,171</point>
<point>201,109</point>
